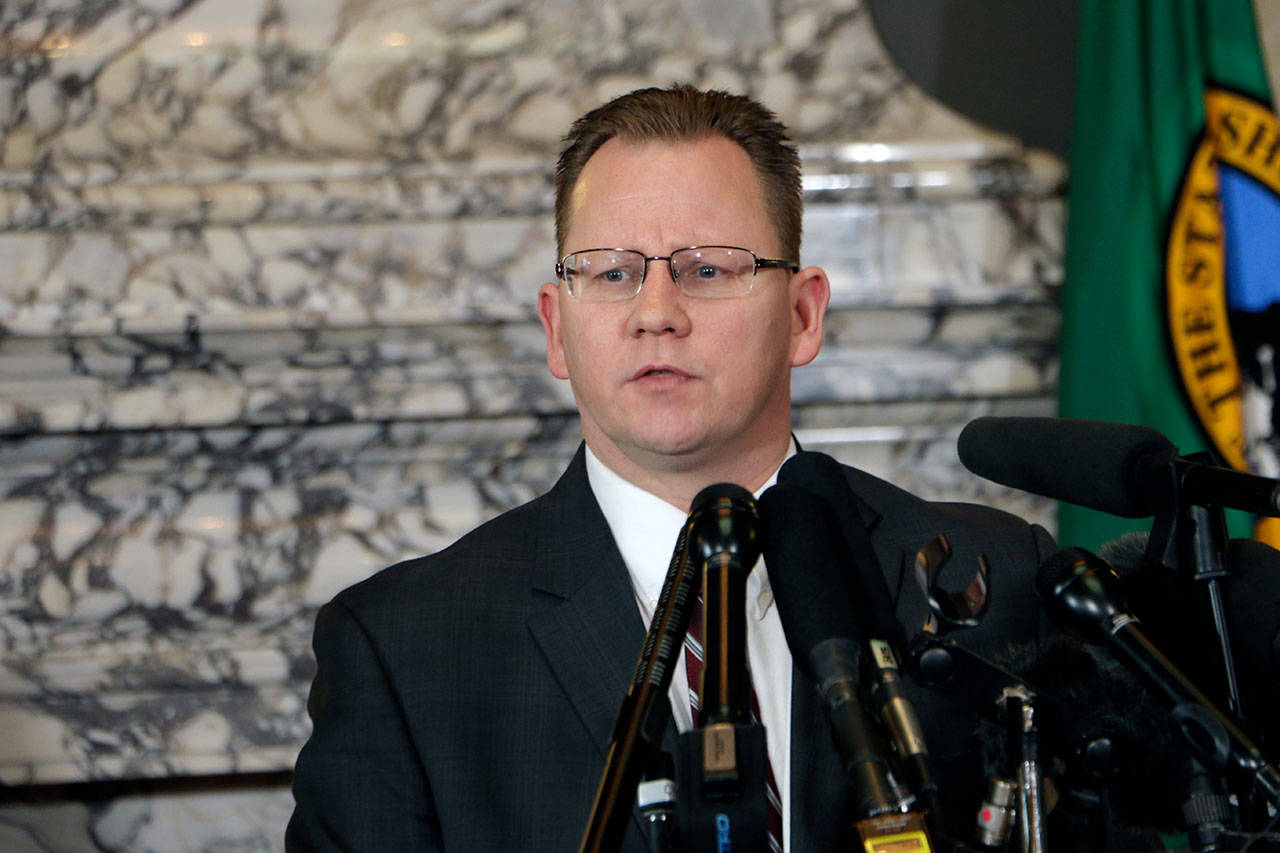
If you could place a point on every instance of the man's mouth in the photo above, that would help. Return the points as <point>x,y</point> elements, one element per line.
<point>657,371</point>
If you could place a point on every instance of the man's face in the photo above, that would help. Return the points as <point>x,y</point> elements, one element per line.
<point>664,381</point>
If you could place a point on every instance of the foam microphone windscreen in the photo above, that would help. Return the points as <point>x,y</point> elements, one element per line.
<point>1095,696</point>
<point>824,477</point>
<point>1089,463</point>
<point>804,556</point>
<point>1174,609</point>
<point>1253,600</point>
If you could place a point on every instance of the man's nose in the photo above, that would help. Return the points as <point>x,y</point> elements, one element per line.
<point>659,308</point>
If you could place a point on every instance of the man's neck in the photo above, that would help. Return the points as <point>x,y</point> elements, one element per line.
<point>677,480</point>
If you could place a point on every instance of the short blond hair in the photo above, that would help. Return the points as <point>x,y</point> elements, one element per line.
<point>684,113</point>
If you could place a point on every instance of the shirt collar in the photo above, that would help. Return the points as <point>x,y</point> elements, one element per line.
<point>645,528</point>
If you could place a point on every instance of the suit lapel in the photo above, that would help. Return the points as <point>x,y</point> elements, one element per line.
<point>578,569</point>
<point>590,631</point>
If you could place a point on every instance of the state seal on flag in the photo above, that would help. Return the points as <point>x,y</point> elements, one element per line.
<point>1222,280</point>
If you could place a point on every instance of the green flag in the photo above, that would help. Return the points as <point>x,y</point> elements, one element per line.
<point>1145,337</point>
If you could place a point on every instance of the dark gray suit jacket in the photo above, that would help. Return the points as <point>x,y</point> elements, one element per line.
<point>464,701</point>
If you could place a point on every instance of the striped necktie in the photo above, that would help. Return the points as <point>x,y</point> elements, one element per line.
<point>693,668</point>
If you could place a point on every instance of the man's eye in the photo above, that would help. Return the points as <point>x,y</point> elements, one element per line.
<point>708,272</point>
<point>614,276</point>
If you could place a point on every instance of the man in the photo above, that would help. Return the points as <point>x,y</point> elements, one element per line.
<point>464,701</point>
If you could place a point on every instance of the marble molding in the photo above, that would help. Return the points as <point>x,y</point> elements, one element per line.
<point>249,819</point>
<point>266,326</point>
<point>377,322</point>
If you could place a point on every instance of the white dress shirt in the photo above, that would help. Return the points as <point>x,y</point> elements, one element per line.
<point>645,527</point>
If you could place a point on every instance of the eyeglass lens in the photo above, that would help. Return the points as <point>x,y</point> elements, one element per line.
<point>710,272</point>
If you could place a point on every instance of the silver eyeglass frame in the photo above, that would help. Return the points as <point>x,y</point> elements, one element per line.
<point>758,264</point>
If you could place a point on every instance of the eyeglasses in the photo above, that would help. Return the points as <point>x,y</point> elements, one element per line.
<point>702,272</point>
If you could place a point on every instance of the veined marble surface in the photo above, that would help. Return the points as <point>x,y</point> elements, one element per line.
<point>266,326</point>
<point>261,276</point>
<point>249,818</point>
<point>158,592</point>
<point>157,88</point>
<point>272,324</point>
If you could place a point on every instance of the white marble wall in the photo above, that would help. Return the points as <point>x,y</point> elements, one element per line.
<point>266,326</point>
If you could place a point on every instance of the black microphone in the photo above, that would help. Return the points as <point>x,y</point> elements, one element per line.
<point>721,763</point>
<point>1082,594</point>
<point>805,564</point>
<point>883,635</point>
<point>1121,469</point>
<point>824,477</point>
<point>724,538</point>
<point>717,515</point>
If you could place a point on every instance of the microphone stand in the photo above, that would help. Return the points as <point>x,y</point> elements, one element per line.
<point>1019,705</point>
<point>1191,540</point>
<point>1207,811</point>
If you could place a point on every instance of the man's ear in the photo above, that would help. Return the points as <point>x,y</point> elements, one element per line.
<point>810,293</point>
<point>549,314</point>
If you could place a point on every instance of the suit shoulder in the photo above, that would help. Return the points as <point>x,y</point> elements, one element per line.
<point>879,492</point>
<point>485,560</point>
<point>899,505</point>
<point>979,514</point>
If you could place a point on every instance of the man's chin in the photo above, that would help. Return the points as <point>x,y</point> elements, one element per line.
<point>673,452</point>
<point>665,449</point>
<point>670,447</point>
